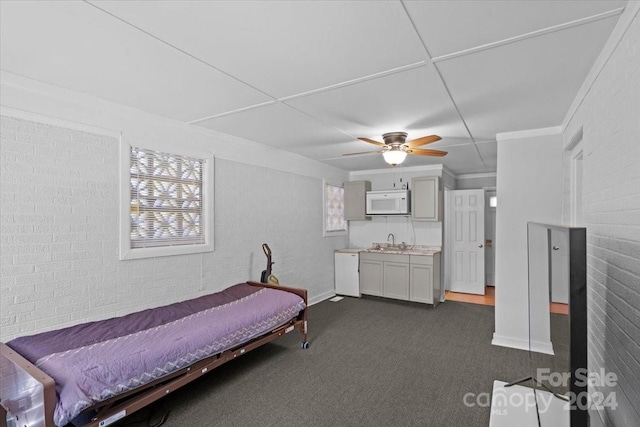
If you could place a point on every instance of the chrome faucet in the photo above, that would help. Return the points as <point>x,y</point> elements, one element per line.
<point>393,239</point>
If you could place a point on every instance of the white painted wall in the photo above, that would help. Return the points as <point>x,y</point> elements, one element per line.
<point>475,181</point>
<point>59,213</point>
<point>529,185</point>
<point>607,110</point>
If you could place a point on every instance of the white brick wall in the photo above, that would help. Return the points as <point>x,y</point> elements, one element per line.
<point>610,118</point>
<point>59,233</point>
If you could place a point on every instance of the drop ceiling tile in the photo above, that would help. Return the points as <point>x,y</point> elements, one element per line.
<point>525,85</point>
<point>463,159</point>
<point>452,26</point>
<point>283,48</point>
<point>76,46</point>
<point>277,125</point>
<point>335,150</point>
<point>489,153</point>
<point>412,101</point>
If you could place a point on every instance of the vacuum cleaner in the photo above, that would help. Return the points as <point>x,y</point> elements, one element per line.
<point>266,276</point>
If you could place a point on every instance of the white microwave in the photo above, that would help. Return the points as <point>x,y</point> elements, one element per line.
<point>394,202</point>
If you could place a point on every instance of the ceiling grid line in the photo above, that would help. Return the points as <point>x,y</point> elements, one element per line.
<point>530,35</point>
<point>335,86</point>
<point>357,80</point>
<point>444,84</point>
<point>312,77</point>
<point>230,112</point>
<point>181,50</point>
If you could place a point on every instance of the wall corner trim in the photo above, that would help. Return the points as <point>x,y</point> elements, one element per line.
<point>575,140</point>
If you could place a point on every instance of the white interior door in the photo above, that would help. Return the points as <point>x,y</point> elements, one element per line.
<point>490,239</point>
<point>467,239</point>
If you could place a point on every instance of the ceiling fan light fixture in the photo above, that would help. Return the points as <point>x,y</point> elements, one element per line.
<point>395,147</point>
<point>394,157</point>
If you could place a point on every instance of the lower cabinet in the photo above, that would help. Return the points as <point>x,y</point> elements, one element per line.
<point>424,279</point>
<point>371,275</point>
<point>396,280</point>
<point>404,277</point>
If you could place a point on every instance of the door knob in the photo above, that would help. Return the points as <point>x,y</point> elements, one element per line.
<point>480,245</point>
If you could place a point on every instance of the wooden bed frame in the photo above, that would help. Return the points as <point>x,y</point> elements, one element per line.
<point>127,403</point>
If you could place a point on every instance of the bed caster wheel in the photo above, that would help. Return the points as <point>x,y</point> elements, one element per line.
<point>304,345</point>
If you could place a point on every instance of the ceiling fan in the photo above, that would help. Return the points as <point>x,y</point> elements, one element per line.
<point>395,148</point>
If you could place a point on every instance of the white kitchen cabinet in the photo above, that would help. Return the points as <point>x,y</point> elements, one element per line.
<point>396,280</point>
<point>355,200</point>
<point>426,199</point>
<point>398,276</point>
<point>424,279</point>
<point>421,284</point>
<point>371,276</point>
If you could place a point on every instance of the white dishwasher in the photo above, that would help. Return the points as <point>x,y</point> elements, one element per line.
<point>346,272</point>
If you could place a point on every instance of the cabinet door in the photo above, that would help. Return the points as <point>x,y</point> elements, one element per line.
<point>371,277</point>
<point>425,198</point>
<point>421,283</point>
<point>396,280</point>
<point>355,200</point>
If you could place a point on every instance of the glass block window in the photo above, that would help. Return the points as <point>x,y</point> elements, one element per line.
<point>166,199</point>
<point>334,209</point>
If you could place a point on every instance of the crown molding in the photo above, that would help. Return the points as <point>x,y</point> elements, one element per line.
<point>477,175</point>
<point>530,133</point>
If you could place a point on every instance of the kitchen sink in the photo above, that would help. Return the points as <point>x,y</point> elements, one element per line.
<point>374,249</point>
<point>407,250</point>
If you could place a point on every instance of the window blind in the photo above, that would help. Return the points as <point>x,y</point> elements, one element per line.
<point>166,199</point>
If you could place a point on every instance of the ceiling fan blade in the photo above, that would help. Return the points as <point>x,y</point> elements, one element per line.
<point>421,152</point>
<point>363,152</point>
<point>422,141</point>
<point>371,141</point>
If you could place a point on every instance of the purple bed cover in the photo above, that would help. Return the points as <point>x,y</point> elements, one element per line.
<point>95,361</point>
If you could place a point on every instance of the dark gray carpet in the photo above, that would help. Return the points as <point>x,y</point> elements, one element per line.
<point>371,361</point>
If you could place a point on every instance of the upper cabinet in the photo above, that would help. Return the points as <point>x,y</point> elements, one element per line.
<point>355,200</point>
<point>426,199</point>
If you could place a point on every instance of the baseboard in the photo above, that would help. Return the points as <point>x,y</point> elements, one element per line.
<point>542,347</point>
<point>537,346</point>
<point>323,296</point>
<point>510,342</point>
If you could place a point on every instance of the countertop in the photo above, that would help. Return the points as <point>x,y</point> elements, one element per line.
<point>409,250</point>
<point>349,250</point>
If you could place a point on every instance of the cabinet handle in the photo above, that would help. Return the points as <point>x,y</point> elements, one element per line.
<point>480,245</point>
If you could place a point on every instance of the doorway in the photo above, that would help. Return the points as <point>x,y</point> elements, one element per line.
<point>491,203</point>
<point>466,240</point>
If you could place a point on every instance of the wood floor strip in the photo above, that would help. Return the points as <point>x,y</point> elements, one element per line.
<point>489,298</point>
